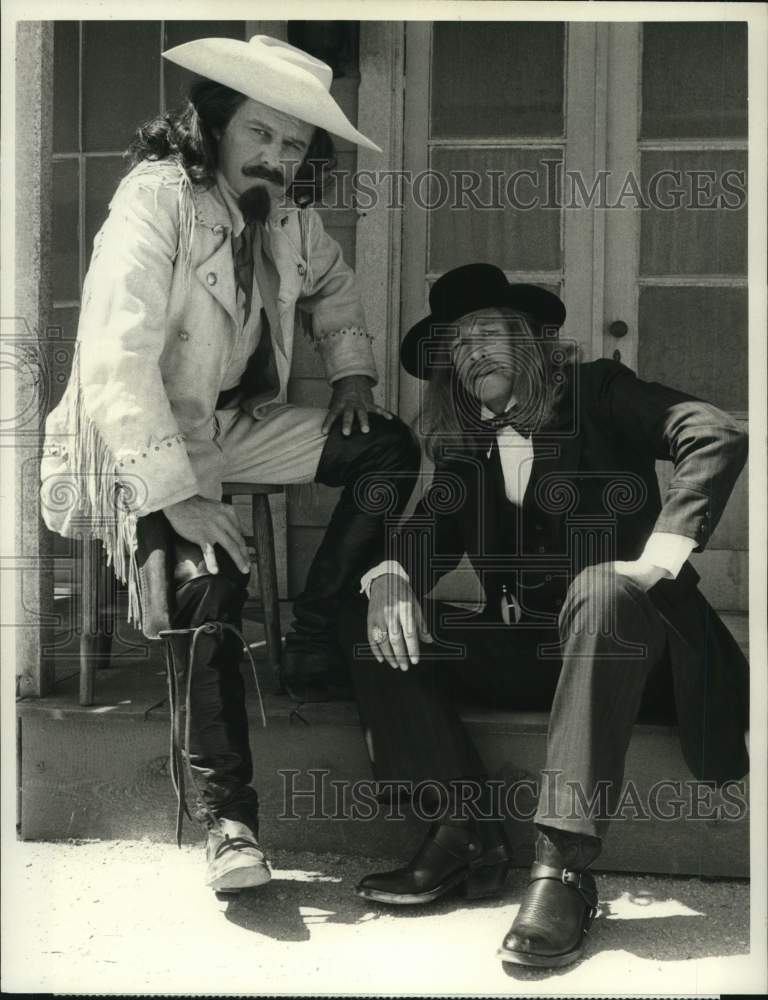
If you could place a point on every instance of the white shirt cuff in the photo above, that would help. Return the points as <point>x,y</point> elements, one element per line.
<point>388,566</point>
<point>668,551</point>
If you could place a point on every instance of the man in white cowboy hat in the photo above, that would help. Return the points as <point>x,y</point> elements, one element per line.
<point>184,352</point>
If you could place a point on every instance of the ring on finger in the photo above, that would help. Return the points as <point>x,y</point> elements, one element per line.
<point>378,635</point>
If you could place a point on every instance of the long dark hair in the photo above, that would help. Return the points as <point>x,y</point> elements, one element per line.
<point>450,414</point>
<point>187,135</point>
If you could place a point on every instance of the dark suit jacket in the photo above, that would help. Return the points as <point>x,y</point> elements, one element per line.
<point>593,496</point>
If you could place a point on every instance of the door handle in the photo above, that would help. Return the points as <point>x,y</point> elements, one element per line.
<point>618,329</point>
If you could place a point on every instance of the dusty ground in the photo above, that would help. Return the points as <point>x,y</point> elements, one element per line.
<point>121,916</point>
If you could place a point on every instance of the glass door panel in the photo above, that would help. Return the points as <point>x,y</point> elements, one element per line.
<point>497,79</point>
<point>526,239</point>
<point>694,80</point>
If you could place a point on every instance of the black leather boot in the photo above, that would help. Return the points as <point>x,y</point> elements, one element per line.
<point>378,472</point>
<point>472,857</point>
<point>560,903</point>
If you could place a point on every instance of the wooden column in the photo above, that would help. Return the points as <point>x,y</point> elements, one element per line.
<point>23,346</point>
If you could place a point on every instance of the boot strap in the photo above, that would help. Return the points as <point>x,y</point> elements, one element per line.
<point>582,882</point>
<point>468,851</point>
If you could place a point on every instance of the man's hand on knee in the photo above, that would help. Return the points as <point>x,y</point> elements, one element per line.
<point>395,622</point>
<point>352,398</point>
<point>207,523</point>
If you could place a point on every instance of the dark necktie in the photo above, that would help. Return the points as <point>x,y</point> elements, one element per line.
<point>244,267</point>
<point>260,382</point>
<point>251,259</point>
<point>268,282</point>
<point>510,418</point>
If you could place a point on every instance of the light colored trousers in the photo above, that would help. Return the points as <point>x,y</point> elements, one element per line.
<point>281,448</point>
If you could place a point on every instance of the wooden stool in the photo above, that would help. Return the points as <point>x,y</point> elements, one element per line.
<point>263,541</point>
<point>98,592</point>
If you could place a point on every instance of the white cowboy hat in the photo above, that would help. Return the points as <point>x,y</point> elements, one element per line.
<point>274,73</point>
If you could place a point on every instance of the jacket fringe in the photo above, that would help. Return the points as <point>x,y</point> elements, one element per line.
<point>102,503</point>
<point>186,224</point>
<point>305,226</point>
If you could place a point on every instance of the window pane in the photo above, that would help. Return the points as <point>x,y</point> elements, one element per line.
<point>691,239</point>
<point>66,281</point>
<point>177,80</point>
<point>102,175</point>
<point>65,73</point>
<point>492,79</point>
<point>121,81</point>
<point>696,340</point>
<point>514,237</point>
<point>694,80</point>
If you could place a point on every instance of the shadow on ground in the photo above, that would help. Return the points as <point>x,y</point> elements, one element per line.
<point>286,909</point>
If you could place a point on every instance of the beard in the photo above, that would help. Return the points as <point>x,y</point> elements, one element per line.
<point>255,204</point>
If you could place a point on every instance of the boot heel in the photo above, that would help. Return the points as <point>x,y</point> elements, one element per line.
<point>486,881</point>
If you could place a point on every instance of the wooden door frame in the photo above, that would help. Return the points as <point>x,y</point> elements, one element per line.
<point>379,228</point>
<point>621,226</point>
<point>585,153</point>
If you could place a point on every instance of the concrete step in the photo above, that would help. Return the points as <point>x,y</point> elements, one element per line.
<point>102,772</point>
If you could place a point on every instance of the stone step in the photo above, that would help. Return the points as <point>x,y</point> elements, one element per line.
<point>102,772</point>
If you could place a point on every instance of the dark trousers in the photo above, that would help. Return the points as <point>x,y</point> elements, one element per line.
<point>378,472</point>
<point>605,659</point>
<point>385,459</point>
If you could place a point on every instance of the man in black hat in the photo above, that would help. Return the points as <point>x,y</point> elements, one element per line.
<point>545,478</point>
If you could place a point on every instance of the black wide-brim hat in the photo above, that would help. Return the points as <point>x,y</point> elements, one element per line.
<point>468,289</point>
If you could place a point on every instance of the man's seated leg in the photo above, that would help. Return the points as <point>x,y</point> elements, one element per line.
<point>612,637</point>
<point>219,752</point>
<point>418,744</point>
<point>378,472</point>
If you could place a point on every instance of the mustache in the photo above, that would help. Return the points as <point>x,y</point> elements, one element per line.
<point>264,174</point>
<point>483,367</point>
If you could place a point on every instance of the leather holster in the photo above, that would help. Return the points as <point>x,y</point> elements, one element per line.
<point>155,560</point>
<point>165,562</point>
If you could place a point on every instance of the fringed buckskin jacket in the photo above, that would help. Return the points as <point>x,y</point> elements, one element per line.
<point>158,325</point>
